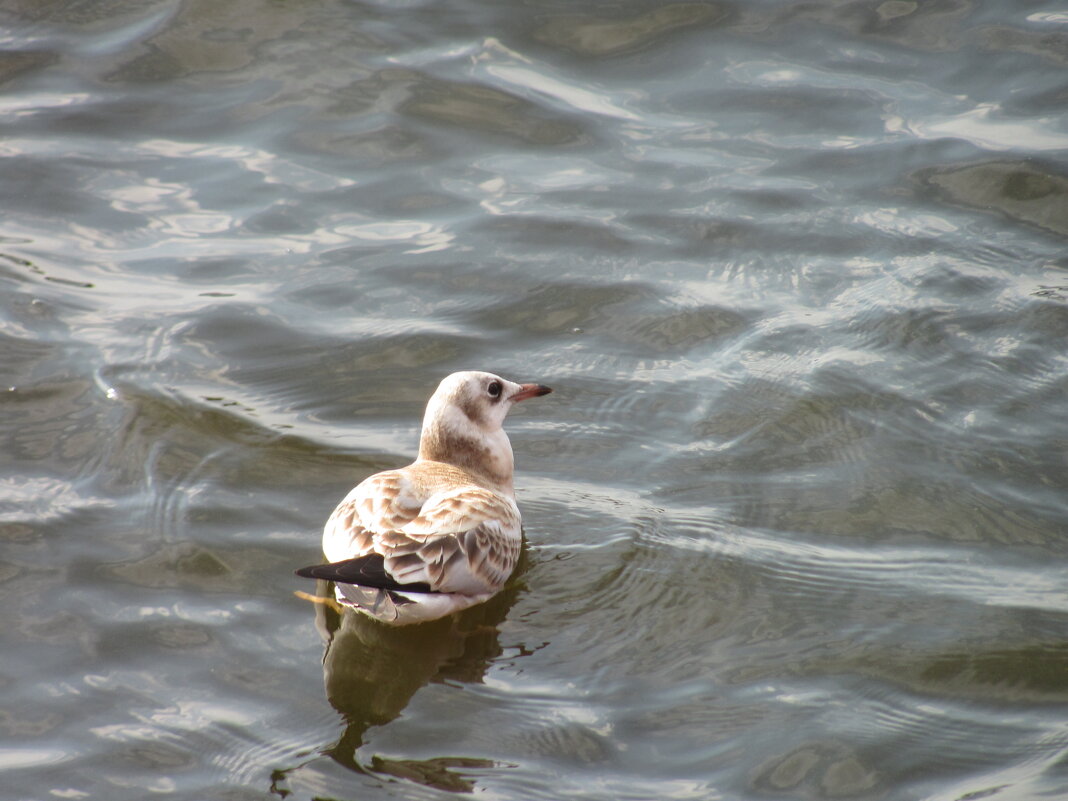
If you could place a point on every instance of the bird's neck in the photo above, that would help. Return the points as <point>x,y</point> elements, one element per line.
<point>464,445</point>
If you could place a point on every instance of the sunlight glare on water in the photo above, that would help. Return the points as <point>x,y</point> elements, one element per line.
<point>795,512</point>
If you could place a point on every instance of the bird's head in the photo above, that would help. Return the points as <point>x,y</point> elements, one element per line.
<point>464,419</point>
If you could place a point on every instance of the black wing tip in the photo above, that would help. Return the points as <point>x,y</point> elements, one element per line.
<point>353,571</point>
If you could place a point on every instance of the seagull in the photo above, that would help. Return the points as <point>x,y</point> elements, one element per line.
<point>444,533</point>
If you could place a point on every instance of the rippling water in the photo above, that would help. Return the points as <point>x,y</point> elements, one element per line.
<point>796,513</point>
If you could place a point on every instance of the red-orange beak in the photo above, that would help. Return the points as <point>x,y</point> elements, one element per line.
<point>530,391</point>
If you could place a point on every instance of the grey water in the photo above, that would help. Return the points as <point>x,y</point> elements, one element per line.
<point>796,513</point>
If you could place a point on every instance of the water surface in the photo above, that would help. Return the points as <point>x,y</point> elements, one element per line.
<point>795,512</point>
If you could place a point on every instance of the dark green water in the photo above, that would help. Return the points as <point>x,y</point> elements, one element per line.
<point>796,512</point>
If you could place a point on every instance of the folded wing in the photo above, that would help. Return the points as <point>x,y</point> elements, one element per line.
<point>463,540</point>
<point>384,502</point>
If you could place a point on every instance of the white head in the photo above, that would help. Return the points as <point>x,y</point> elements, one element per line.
<point>463,423</point>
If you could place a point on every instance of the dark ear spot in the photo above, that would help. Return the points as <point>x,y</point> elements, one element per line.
<point>469,406</point>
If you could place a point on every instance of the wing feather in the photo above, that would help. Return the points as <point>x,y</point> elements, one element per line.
<point>380,504</point>
<point>367,571</point>
<point>463,540</point>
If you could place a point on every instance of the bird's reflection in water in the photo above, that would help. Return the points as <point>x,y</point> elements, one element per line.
<point>371,671</point>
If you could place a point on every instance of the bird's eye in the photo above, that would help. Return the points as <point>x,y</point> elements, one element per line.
<point>494,389</point>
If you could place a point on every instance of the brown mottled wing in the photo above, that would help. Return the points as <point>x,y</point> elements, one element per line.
<point>464,541</point>
<point>382,503</point>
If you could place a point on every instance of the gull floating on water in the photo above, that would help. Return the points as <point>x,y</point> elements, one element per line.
<point>443,533</point>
